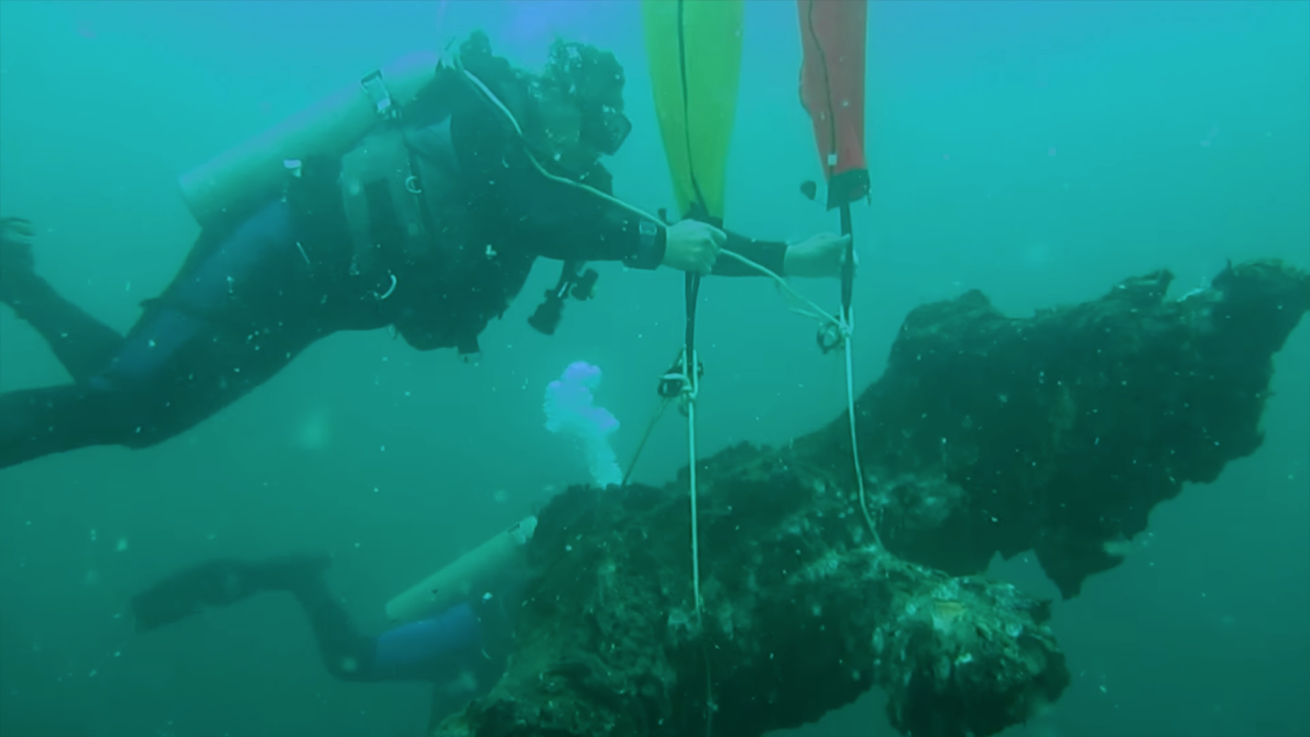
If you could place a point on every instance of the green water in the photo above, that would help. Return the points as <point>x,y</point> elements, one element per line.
<point>1039,151</point>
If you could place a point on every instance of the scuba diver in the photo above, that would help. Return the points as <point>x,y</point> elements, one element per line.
<point>461,651</point>
<point>428,224</point>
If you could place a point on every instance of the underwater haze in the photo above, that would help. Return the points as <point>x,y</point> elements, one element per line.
<point>1037,151</point>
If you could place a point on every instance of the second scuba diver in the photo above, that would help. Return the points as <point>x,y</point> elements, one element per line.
<point>430,224</point>
<point>461,651</point>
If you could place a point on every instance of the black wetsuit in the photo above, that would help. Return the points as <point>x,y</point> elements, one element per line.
<point>257,290</point>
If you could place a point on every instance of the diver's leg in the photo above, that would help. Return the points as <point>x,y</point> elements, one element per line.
<point>447,648</point>
<point>219,583</point>
<point>231,323</point>
<point>478,670</point>
<point>442,649</point>
<point>82,343</point>
<point>345,652</point>
<point>171,373</point>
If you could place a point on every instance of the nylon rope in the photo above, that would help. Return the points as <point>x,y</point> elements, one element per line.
<point>847,323</point>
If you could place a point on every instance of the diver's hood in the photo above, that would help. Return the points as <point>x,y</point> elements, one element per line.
<point>593,81</point>
<point>582,76</point>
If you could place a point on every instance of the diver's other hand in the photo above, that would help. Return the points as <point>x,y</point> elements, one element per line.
<point>817,257</point>
<point>693,246</point>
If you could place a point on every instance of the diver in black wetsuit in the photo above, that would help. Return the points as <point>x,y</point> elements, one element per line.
<point>430,225</point>
<point>461,651</point>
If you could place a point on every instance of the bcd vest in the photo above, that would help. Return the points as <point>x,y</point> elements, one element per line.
<point>436,241</point>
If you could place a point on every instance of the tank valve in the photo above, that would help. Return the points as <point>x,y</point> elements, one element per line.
<point>377,91</point>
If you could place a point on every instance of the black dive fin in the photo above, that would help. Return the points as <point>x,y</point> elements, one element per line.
<point>220,583</point>
<point>211,584</point>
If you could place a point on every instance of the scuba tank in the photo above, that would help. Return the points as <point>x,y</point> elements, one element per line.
<point>471,574</point>
<point>257,168</point>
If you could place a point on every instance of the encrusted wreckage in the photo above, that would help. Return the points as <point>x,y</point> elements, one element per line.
<point>987,434</point>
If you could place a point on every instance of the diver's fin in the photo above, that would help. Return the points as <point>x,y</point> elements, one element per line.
<point>210,584</point>
<point>220,583</point>
<point>290,572</point>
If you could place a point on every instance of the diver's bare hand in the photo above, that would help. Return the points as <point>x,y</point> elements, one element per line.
<point>693,246</point>
<point>817,257</point>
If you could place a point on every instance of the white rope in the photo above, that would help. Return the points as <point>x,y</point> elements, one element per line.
<point>687,404</point>
<point>688,398</point>
<point>848,327</point>
<point>845,328</point>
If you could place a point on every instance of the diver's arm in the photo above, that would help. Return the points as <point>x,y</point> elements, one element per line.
<point>568,222</point>
<point>552,215</point>
<point>602,230</point>
<point>769,254</point>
